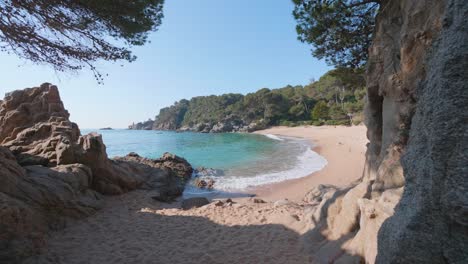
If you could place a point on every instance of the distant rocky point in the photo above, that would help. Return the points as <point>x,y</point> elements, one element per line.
<point>147,125</point>
<point>106,128</point>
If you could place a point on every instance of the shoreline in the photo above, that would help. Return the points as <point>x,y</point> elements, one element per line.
<point>343,148</point>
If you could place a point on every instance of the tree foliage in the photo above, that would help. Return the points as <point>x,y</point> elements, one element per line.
<point>332,98</point>
<point>72,34</point>
<point>320,111</point>
<point>339,30</point>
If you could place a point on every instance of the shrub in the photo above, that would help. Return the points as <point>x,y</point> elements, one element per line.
<point>317,123</point>
<point>320,111</point>
<point>338,122</point>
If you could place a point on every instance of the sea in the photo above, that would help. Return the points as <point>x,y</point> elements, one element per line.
<point>240,161</point>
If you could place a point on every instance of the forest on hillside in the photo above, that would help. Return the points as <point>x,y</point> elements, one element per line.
<point>337,98</point>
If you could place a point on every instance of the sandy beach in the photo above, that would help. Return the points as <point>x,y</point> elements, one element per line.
<point>133,228</point>
<point>343,147</point>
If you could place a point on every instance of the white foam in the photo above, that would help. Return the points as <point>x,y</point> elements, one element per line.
<point>307,163</point>
<point>274,137</point>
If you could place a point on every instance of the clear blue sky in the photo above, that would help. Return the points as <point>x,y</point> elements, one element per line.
<point>203,47</point>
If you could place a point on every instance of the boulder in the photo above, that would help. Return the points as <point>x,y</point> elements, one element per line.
<point>34,122</point>
<point>35,198</point>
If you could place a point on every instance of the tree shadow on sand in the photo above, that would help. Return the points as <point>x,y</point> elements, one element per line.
<point>124,233</point>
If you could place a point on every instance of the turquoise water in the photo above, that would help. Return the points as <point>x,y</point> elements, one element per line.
<point>247,160</point>
<point>221,151</point>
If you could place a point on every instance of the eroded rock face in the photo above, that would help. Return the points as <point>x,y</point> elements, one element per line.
<point>49,172</point>
<point>409,206</point>
<point>35,198</point>
<point>433,209</point>
<point>34,124</point>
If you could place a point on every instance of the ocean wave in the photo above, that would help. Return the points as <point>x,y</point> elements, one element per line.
<point>307,163</point>
<point>273,137</point>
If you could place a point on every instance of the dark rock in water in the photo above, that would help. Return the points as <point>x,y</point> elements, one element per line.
<point>200,183</point>
<point>106,128</point>
<point>194,202</point>
<point>210,184</point>
<point>174,164</point>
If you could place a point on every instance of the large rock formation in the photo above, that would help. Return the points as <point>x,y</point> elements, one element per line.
<point>49,172</point>
<point>412,203</point>
<point>34,125</point>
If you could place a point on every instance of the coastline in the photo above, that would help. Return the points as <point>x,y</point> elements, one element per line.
<point>343,148</point>
<point>221,231</point>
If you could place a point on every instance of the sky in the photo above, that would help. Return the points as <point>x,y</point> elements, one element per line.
<point>203,47</point>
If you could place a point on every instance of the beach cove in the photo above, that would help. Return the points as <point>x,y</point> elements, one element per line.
<point>135,228</point>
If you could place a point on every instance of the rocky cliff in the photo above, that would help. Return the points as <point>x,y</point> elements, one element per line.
<point>411,205</point>
<point>49,172</point>
<point>146,125</point>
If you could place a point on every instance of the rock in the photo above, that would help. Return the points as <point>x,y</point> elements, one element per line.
<point>258,200</point>
<point>34,122</point>
<point>207,128</point>
<point>200,183</point>
<point>199,127</point>
<point>185,128</point>
<point>25,159</point>
<point>430,129</point>
<point>50,173</point>
<point>194,202</point>
<point>409,204</point>
<point>282,202</point>
<point>316,195</point>
<point>210,184</point>
<point>219,203</point>
<point>175,164</point>
<point>167,174</point>
<point>34,197</point>
<point>147,125</point>
<point>221,127</point>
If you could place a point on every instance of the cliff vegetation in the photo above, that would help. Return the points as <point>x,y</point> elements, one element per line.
<point>337,98</point>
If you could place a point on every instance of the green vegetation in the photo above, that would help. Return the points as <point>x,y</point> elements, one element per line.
<point>73,34</point>
<point>339,30</point>
<point>337,98</point>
